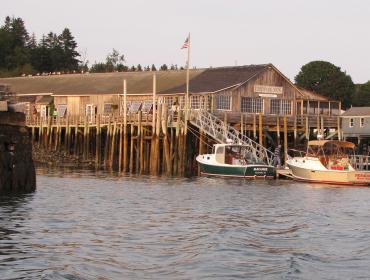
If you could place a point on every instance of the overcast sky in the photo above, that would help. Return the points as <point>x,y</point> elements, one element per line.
<point>287,33</point>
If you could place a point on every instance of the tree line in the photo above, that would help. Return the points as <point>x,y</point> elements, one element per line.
<point>21,53</point>
<point>115,62</point>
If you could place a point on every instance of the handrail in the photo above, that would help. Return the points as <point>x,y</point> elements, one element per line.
<point>360,162</point>
<point>222,132</point>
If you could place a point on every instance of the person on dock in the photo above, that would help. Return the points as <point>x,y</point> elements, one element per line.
<point>277,161</point>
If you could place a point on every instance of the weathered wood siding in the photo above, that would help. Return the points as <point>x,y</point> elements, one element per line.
<point>270,77</point>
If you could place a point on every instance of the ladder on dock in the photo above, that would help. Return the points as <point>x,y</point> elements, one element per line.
<point>224,133</point>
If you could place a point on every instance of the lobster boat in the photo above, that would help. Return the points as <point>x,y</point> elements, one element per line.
<point>235,160</point>
<point>331,162</point>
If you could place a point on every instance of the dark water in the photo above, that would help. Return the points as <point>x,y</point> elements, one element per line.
<point>97,226</point>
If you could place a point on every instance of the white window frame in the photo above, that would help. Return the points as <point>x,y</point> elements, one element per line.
<point>195,102</point>
<point>351,122</point>
<point>283,105</point>
<point>253,105</point>
<point>169,100</point>
<point>217,102</point>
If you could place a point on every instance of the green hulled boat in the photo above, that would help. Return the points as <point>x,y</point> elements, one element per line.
<point>233,160</point>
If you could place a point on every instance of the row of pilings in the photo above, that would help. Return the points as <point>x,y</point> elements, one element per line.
<point>136,145</point>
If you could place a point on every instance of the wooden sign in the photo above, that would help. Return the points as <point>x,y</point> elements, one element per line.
<point>268,89</point>
<point>267,95</point>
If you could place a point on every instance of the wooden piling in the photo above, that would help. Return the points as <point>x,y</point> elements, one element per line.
<point>285,139</point>
<point>277,130</point>
<point>254,127</point>
<point>140,143</point>
<point>113,145</point>
<point>166,147</point>
<point>106,144</point>
<point>120,147</point>
<point>131,148</point>
<point>97,142</point>
<point>260,135</point>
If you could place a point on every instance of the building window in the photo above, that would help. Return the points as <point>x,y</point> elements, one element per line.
<point>362,122</point>
<point>252,105</point>
<point>108,108</point>
<point>62,109</point>
<point>168,101</point>
<point>223,102</point>
<point>181,102</point>
<point>195,102</point>
<point>281,107</point>
<point>351,122</point>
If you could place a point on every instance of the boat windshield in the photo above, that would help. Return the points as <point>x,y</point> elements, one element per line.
<point>239,155</point>
<point>332,154</point>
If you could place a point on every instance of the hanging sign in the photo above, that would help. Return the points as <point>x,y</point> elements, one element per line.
<point>268,89</point>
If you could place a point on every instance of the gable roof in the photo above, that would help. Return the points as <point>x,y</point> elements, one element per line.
<point>168,82</point>
<point>357,112</point>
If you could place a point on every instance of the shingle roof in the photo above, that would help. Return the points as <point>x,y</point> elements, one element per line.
<point>97,83</point>
<point>201,80</point>
<point>214,79</point>
<point>357,112</point>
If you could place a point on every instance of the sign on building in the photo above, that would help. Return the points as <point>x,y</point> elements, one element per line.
<point>268,89</point>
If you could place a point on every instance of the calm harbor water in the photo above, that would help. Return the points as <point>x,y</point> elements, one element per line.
<point>85,225</point>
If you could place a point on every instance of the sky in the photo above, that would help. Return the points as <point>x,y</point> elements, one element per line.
<point>286,33</point>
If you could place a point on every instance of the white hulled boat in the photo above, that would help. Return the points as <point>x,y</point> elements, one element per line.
<point>331,162</point>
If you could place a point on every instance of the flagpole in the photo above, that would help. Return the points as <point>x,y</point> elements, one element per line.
<point>187,88</point>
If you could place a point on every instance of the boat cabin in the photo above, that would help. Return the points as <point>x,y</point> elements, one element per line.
<point>334,155</point>
<point>234,154</point>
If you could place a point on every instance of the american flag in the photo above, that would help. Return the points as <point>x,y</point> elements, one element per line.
<point>186,43</point>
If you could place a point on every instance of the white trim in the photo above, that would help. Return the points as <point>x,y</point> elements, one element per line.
<point>362,122</point>
<point>351,122</point>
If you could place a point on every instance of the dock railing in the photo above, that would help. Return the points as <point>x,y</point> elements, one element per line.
<point>360,162</point>
<point>223,133</point>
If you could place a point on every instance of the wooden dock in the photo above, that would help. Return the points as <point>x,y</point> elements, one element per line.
<point>284,172</point>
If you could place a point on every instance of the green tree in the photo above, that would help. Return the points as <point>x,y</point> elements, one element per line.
<point>98,67</point>
<point>164,67</point>
<point>326,79</point>
<point>153,68</point>
<point>362,95</point>
<point>55,52</point>
<point>43,61</point>
<point>69,46</point>
<point>139,68</point>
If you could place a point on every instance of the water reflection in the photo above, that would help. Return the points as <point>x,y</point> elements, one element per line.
<point>95,225</point>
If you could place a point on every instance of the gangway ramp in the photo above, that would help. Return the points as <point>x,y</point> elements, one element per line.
<point>224,133</point>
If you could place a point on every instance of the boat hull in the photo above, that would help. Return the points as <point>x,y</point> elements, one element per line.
<point>249,171</point>
<point>361,178</point>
